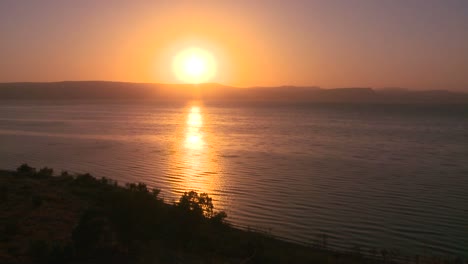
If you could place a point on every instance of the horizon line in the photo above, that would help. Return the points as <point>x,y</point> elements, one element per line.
<point>460,90</point>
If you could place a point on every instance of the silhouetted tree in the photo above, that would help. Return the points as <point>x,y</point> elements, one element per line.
<point>26,170</point>
<point>199,204</point>
<point>45,172</point>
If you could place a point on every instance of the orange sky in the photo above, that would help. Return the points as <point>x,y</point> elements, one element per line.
<point>323,43</point>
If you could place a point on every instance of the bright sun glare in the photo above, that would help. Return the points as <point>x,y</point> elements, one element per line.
<point>194,65</point>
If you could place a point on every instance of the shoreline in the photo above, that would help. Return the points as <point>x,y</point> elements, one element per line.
<point>68,218</point>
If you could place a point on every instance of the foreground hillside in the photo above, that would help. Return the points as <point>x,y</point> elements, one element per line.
<point>81,219</point>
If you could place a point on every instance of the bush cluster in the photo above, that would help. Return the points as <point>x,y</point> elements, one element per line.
<point>122,221</point>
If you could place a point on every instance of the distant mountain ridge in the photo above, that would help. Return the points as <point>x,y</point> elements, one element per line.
<point>105,90</point>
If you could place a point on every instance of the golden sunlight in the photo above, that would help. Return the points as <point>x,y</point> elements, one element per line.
<point>194,136</point>
<point>194,65</point>
<point>195,162</point>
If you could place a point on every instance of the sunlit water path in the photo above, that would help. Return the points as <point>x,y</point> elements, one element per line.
<point>368,176</point>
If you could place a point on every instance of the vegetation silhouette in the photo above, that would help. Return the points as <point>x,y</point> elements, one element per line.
<point>82,219</point>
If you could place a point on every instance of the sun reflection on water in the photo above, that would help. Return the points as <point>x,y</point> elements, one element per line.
<point>195,165</point>
<point>194,135</point>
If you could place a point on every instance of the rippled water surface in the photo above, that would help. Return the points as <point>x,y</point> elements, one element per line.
<point>369,176</point>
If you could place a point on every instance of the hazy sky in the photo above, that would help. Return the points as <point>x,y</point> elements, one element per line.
<point>421,44</point>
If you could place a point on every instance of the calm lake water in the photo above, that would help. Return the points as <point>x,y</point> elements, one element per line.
<point>371,176</point>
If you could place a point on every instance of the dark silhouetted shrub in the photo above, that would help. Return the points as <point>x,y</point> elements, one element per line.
<point>85,179</point>
<point>199,204</point>
<point>26,170</point>
<point>45,172</point>
<point>219,217</point>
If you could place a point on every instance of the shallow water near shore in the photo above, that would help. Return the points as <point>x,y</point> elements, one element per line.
<point>385,176</point>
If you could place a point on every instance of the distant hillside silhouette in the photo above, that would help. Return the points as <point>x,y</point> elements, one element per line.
<point>103,90</point>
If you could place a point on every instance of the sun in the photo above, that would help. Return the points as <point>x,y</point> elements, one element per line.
<point>194,65</point>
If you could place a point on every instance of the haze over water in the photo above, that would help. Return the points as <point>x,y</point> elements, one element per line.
<point>386,176</point>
